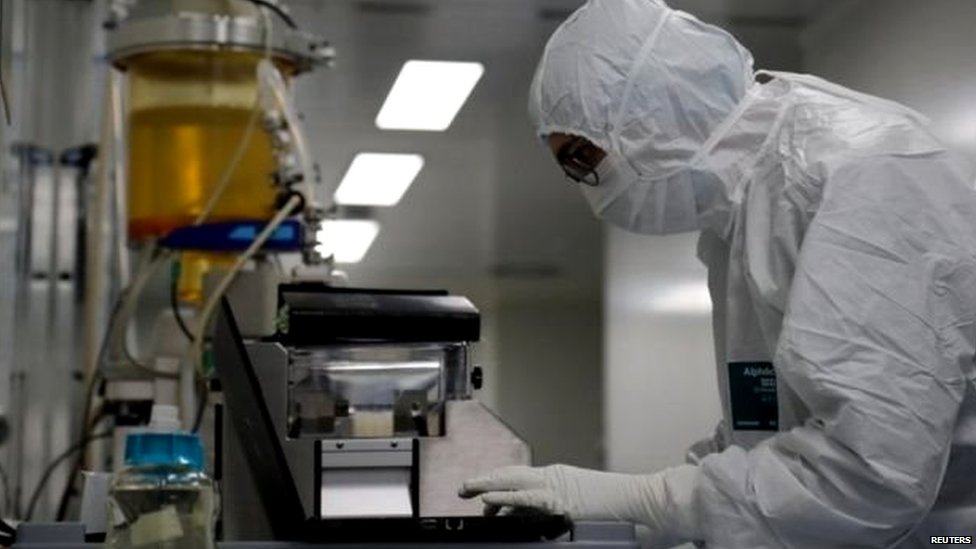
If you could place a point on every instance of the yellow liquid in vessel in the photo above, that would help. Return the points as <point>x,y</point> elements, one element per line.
<point>188,111</point>
<point>177,157</point>
<point>193,267</point>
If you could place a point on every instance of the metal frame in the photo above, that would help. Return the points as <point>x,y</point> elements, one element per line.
<point>200,31</point>
<point>586,535</point>
<point>372,459</point>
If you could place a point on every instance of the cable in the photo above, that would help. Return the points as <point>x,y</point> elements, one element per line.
<point>137,364</point>
<point>196,350</point>
<point>6,490</point>
<point>89,401</point>
<point>204,397</point>
<point>88,422</point>
<point>8,534</point>
<point>281,13</point>
<point>270,79</point>
<point>46,476</point>
<point>152,260</point>
<point>117,317</point>
<point>196,347</point>
<point>129,297</point>
<point>174,302</point>
<point>5,97</point>
<point>78,466</point>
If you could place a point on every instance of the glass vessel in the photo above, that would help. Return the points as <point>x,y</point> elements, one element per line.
<point>163,499</point>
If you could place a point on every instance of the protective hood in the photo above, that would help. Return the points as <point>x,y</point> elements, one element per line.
<point>649,85</point>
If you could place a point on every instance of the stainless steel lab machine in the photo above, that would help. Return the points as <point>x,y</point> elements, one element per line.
<point>370,395</point>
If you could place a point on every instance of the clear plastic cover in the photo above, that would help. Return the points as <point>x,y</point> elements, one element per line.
<point>374,391</point>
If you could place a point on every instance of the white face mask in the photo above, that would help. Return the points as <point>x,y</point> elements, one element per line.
<point>613,180</point>
<point>637,204</point>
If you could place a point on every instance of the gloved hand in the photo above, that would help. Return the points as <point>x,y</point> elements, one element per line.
<point>663,501</point>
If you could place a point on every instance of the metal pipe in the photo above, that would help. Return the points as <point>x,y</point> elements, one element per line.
<point>25,217</point>
<point>18,381</point>
<point>94,283</point>
<point>54,247</point>
<point>81,159</point>
<point>119,214</point>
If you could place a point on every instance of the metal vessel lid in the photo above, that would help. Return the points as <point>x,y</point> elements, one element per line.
<point>202,31</point>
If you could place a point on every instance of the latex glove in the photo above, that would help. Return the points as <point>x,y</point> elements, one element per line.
<point>663,501</point>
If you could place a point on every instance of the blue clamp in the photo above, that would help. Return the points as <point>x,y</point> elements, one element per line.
<point>234,236</point>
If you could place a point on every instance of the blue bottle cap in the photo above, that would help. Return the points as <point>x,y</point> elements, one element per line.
<point>174,449</point>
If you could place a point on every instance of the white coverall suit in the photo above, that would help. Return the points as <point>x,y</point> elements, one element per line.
<point>840,240</point>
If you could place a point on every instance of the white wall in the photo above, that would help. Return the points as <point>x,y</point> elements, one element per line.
<point>660,389</point>
<point>550,379</point>
<point>922,54</point>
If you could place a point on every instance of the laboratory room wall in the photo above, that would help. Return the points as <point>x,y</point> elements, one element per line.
<point>549,273</point>
<point>596,343</point>
<point>660,392</point>
<point>918,53</point>
<point>489,216</point>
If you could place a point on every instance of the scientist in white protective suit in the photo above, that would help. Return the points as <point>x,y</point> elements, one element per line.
<point>840,240</point>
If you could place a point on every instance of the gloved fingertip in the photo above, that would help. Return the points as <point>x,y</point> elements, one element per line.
<point>502,499</point>
<point>472,488</point>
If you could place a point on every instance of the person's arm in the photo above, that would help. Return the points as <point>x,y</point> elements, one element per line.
<point>876,342</point>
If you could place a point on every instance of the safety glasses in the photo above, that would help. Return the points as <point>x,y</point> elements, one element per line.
<point>579,158</point>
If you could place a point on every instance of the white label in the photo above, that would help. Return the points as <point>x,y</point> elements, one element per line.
<point>157,527</point>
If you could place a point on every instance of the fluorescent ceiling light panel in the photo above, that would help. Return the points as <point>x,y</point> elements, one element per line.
<point>427,95</point>
<point>347,239</point>
<point>378,179</point>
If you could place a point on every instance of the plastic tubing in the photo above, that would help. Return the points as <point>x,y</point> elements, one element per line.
<point>196,348</point>
<point>273,84</point>
<point>252,124</point>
